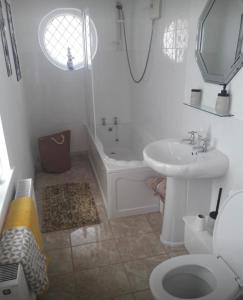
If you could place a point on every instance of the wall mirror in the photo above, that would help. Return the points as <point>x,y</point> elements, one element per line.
<point>219,45</point>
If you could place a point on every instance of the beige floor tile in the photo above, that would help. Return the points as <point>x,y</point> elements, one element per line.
<point>102,212</point>
<point>136,243</point>
<point>95,254</point>
<point>156,244</point>
<point>175,251</point>
<point>94,186</point>
<point>123,297</point>
<point>46,179</point>
<point>142,246</point>
<point>60,261</point>
<point>57,240</point>
<point>98,198</point>
<point>91,234</point>
<point>61,287</point>
<point>57,296</point>
<point>138,271</point>
<point>144,295</point>
<point>80,157</point>
<point>64,282</point>
<point>130,226</point>
<point>155,221</point>
<point>102,283</point>
<point>77,174</point>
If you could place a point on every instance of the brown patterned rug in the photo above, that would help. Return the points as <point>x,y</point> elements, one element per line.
<point>66,206</point>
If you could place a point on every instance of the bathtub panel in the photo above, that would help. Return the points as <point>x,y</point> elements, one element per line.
<point>122,183</point>
<point>99,169</point>
<point>129,194</point>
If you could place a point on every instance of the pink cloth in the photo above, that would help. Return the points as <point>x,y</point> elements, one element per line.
<point>158,185</point>
<point>161,188</point>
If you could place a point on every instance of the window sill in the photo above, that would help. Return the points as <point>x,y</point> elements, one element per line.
<point>6,189</point>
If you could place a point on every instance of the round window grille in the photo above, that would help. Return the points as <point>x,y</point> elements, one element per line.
<point>62,37</point>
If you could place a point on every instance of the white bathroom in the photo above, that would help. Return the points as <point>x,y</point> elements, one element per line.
<point>121,126</point>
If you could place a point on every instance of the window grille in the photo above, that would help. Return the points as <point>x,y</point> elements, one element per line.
<point>61,36</point>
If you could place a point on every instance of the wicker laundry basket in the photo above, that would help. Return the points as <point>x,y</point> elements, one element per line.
<point>55,152</point>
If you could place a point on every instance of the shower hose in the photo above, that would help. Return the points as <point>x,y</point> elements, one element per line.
<point>137,80</point>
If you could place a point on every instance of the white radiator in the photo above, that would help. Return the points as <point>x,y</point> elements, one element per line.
<point>25,188</point>
<point>13,285</point>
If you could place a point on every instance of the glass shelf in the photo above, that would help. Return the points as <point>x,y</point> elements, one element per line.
<point>209,110</point>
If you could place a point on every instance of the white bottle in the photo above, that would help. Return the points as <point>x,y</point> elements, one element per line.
<point>196,96</point>
<point>222,106</point>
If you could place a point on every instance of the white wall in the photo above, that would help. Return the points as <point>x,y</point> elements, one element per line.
<point>158,106</point>
<point>14,120</point>
<point>111,81</point>
<point>56,98</point>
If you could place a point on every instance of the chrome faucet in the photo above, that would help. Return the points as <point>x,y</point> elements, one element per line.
<point>203,144</point>
<point>103,121</point>
<point>192,138</point>
<point>115,122</point>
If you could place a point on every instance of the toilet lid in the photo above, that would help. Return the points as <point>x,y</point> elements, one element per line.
<point>228,237</point>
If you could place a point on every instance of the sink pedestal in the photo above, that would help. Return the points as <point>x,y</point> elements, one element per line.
<point>183,198</point>
<point>189,181</point>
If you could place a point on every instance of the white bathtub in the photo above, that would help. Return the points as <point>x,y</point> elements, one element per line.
<point>121,172</point>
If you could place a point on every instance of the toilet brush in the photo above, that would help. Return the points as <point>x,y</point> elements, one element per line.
<point>214,214</point>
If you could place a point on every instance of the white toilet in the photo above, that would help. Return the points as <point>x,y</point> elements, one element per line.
<point>217,276</point>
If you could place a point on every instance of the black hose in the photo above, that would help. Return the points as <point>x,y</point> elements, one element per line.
<point>127,54</point>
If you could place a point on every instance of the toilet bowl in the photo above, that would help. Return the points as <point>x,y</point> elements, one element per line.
<point>207,276</point>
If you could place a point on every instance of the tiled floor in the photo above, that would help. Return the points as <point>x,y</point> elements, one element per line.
<point>110,261</point>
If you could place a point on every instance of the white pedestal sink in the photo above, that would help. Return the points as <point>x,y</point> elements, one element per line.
<point>189,180</point>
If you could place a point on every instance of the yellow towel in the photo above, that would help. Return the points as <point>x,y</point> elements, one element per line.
<point>22,213</point>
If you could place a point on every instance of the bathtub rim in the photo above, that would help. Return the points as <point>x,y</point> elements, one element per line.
<point>111,164</point>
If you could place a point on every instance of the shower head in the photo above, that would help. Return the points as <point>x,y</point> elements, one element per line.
<point>119,6</point>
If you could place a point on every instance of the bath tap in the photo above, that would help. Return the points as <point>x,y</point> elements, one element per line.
<point>115,121</point>
<point>103,121</point>
<point>192,138</point>
<point>202,144</point>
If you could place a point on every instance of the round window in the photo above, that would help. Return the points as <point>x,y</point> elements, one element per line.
<point>64,36</point>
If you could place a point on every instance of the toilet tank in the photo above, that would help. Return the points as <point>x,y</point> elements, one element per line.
<point>195,241</point>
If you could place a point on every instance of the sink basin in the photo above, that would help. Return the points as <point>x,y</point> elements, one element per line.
<point>172,158</point>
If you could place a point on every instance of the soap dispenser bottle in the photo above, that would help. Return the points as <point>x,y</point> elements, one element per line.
<point>223,102</point>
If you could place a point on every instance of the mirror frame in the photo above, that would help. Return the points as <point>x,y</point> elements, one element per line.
<point>235,68</point>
